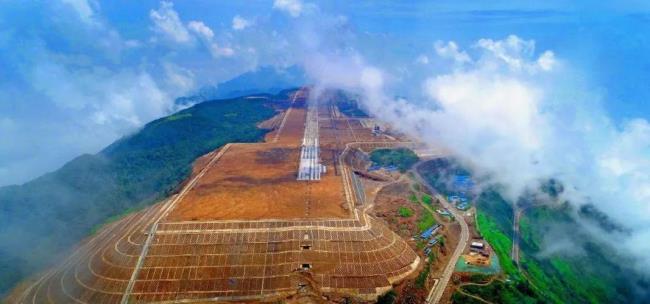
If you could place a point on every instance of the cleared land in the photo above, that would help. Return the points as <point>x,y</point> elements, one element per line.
<point>258,181</point>
<point>243,229</point>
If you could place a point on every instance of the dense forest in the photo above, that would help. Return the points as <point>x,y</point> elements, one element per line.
<point>42,219</point>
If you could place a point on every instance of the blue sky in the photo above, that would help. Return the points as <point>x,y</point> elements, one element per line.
<point>77,74</point>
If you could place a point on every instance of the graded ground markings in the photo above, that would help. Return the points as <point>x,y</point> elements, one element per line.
<point>243,229</point>
<point>258,181</point>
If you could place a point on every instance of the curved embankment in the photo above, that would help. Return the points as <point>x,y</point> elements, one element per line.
<point>229,261</point>
<point>152,256</point>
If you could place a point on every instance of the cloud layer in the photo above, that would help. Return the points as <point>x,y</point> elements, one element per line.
<point>512,113</point>
<point>291,7</point>
<point>509,109</point>
<point>72,84</point>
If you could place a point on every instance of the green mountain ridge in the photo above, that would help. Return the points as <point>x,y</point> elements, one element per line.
<point>43,219</point>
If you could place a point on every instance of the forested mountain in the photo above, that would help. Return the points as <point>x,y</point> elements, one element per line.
<point>561,261</point>
<point>42,219</point>
<point>265,80</point>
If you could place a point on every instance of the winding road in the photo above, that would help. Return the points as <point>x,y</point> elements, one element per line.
<point>516,235</point>
<point>438,289</point>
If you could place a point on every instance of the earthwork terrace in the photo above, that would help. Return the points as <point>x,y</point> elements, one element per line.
<point>246,227</point>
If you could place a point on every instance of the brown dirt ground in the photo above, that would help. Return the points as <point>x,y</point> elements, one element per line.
<point>273,122</point>
<point>250,181</point>
<point>387,202</point>
<point>293,129</point>
<point>258,181</point>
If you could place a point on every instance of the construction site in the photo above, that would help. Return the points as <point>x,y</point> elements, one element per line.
<point>256,222</point>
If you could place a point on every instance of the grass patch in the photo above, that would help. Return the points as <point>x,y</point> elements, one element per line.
<point>178,116</point>
<point>459,298</point>
<point>401,158</point>
<point>501,243</point>
<point>413,198</point>
<point>425,221</point>
<point>427,199</point>
<point>405,212</point>
<point>421,280</point>
<point>513,292</point>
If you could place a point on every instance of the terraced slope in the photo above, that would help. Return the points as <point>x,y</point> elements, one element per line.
<point>319,243</point>
<point>43,219</point>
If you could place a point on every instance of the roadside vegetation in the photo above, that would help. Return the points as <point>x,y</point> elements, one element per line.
<point>413,198</point>
<point>421,280</point>
<point>401,158</point>
<point>583,271</point>
<point>427,199</point>
<point>425,221</point>
<point>499,291</point>
<point>500,242</point>
<point>388,298</point>
<point>57,210</point>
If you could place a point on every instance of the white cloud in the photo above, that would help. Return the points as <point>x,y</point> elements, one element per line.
<point>625,166</point>
<point>218,51</point>
<point>132,43</point>
<point>206,35</point>
<point>179,79</point>
<point>239,23</point>
<point>546,61</point>
<point>450,50</point>
<point>517,54</point>
<point>168,24</point>
<point>83,8</point>
<point>125,99</point>
<point>514,116</point>
<point>422,59</point>
<point>371,78</point>
<point>81,97</point>
<point>292,7</point>
<point>202,30</point>
<point>504,107</point>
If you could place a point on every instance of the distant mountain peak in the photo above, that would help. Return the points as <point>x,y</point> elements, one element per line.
<point>264,79</point>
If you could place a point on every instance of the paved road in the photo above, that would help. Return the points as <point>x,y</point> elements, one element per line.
<point>436,292</point>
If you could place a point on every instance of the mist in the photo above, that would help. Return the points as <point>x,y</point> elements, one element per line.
<point>514,114</point>
<point>510,95</point>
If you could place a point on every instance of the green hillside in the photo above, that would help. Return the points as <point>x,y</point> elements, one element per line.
<point>560,261</point>
<point>43,218</point>
<point>401,158</point>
